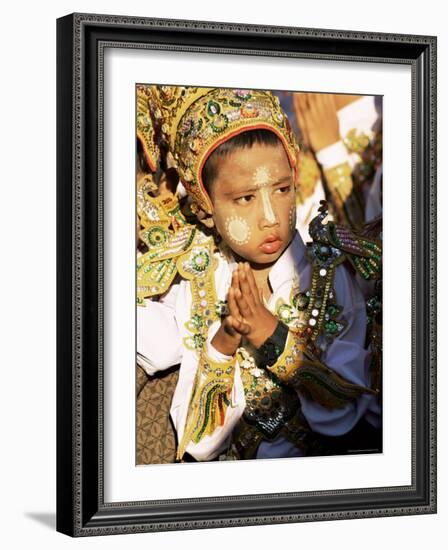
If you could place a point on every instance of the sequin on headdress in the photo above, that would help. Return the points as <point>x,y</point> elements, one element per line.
<point>195,121</point>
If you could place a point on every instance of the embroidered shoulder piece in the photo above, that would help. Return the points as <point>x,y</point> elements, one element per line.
<point>362,252</point>
<point>209,401</point>
<point>174,246</point>
<point>297,367</point>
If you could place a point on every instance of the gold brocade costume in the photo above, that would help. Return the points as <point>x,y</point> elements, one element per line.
<point>272,404</point>
<point>194,122</point>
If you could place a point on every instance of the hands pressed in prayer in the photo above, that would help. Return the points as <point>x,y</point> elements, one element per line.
<point>257,321</point>
<point>318,121</point>
<point>247,316</point>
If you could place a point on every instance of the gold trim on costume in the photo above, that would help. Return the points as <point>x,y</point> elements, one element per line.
<point>210,398</point>
<point>296,367</point>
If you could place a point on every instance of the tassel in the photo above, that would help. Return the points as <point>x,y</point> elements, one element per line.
<point>209,400</point>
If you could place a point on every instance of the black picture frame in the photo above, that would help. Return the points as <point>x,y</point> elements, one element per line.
<point>81,510</point>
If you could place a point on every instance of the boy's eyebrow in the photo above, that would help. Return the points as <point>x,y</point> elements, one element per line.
<point>256,188</point>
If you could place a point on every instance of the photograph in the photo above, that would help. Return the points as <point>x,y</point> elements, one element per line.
<point>246,275</point>
<point>259,274</point>
<point>232,217</point>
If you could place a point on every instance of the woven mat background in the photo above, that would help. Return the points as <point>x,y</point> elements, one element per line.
<point>156,441</point>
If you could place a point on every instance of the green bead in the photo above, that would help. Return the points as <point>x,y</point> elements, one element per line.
<point>331,327</point>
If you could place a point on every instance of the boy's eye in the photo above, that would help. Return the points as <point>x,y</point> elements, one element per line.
<point>283,189</point>
<point>245,199</point>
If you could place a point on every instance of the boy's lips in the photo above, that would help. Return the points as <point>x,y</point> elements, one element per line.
<point>271,244</point>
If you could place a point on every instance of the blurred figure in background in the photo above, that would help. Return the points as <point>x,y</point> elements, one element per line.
<point>310,189</point>
<point>344,133</point>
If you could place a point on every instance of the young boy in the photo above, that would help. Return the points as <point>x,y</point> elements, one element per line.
<point>269,333</point>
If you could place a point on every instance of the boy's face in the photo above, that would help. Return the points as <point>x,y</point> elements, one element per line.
<point>254,207</point>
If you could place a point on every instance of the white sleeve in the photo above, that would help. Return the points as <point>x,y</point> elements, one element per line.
<point>332,155</point>
<point>210,446</point>
<point>348,357</point>
<point>159,345</point>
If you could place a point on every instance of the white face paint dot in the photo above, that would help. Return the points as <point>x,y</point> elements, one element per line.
<point>262,176</point>
<point>238,230</point>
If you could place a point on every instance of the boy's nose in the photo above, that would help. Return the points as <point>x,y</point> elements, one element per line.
<point>269,222</point>
<point>269,216</point>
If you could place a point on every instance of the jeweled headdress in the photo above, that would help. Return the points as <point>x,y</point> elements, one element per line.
<point>146,133</point>
<point>195,121</point>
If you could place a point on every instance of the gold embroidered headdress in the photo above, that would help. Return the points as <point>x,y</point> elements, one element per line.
<point>145,127</point>
<point>195,121</point>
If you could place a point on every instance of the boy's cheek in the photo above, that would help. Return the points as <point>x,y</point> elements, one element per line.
<point>235,230</point>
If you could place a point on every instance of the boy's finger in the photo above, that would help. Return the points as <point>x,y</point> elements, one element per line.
<point>252,284</point>
<point>238,326</point>
<point>245,328</point>
<point>229,325</point>
<point>236,288</point>
<point>245,289</point>
<point>233,306</point>
<point>242,304</point>
<point>236,280</point>
<point>232,323</point>
<point>242,327</point>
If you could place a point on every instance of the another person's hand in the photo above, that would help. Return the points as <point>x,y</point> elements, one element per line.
<point>317,118</point>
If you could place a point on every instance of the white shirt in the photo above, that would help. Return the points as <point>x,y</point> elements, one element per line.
<point>360,115</point>
<point>161,330</point>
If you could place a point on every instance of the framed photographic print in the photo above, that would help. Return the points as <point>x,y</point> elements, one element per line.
<point>246,274</point>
